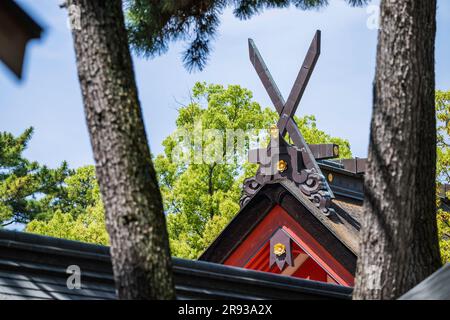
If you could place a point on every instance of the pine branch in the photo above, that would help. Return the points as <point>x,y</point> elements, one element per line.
<point>153,25</point>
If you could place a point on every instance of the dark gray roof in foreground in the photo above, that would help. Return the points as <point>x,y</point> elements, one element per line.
<point>34,267</point>
<point>435,287</point>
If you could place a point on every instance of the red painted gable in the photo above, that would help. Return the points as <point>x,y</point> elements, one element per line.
<point>310,259</point>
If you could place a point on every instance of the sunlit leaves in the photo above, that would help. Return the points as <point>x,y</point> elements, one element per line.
<point>80,215</point>
<point>27,189</point>
<point>443,168</point>
<point>88,226</point>
<point>201,198</point>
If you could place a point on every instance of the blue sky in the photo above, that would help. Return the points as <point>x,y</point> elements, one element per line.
<point>339,92</point>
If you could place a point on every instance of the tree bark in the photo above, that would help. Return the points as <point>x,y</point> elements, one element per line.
<point>134,211</point>
<point>399,244</point>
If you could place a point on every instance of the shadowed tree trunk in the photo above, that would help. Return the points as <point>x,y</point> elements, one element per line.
<point>134,211</point>
<point>399,243</point>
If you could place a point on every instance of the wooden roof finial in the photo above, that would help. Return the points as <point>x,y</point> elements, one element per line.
<point>280,159</point>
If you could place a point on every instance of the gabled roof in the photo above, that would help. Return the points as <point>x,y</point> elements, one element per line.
<point>290,176</point>
<point>337,233</point>
<point>302,256</point>
<point>34,267</point>
<point>347,187</point>
<point>341,225</point>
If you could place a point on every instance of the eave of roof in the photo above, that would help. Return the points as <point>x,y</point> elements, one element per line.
<point>339,226</point>
<point>336,167</point>
<point>338,235</point>
<point>34,267</point>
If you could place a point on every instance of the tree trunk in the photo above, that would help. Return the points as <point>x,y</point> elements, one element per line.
<point>134,211</point>
<point>399,243</point>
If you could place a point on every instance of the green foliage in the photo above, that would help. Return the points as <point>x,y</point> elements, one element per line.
<point>201,198</point>
<point>443,168</point>
<point>56,202</point>
<point>443,135</point>
<point>152,25</point>
<point>87,227</point>
<point>27,190</point>
<point>82,215</point>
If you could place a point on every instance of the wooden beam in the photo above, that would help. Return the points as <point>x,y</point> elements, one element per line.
<point>265,76</point>
<point>356,165</point>
<point>324,151</point>
<point>289,107</point>
<point>300,83</point>
<point>298,261</point>
<point>331,280</point>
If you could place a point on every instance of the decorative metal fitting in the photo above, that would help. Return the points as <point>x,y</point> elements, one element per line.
<point>282,165</point>
<point>330,177</point>
<point>279,249</point>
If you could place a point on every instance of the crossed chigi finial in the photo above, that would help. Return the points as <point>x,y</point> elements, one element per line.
<point>281,160</point>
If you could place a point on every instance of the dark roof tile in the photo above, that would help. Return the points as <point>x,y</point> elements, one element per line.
<point>25,276</point>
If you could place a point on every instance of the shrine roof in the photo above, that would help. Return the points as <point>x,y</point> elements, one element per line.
<point>351,207</point>
<point>34,267</point>
<point>339,232</point>
<point>342,225</point>
<point>337,166</point>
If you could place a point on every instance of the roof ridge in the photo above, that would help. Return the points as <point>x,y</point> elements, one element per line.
<point>12,237</point>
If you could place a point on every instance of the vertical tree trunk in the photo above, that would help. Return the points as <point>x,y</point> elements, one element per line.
<point>134,211</point>
<point>399,244</point>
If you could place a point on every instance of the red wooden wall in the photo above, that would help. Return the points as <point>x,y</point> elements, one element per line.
<point>310,259</point>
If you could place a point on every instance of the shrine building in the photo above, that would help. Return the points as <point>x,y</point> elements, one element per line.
<point>294,237</point>
<point>299,214</point>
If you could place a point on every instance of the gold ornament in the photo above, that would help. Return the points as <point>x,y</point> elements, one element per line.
<point>273,130</point>
<point>282,165</point>
<point>330,177</point>
<point>279,249</point>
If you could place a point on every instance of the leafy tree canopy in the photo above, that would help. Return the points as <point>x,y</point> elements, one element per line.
<point>443,168</point>
<point>27,190</point>
<point>201,198</point>
<point>56,202</point>
<point>152,25</point>
<point>83,217</point>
